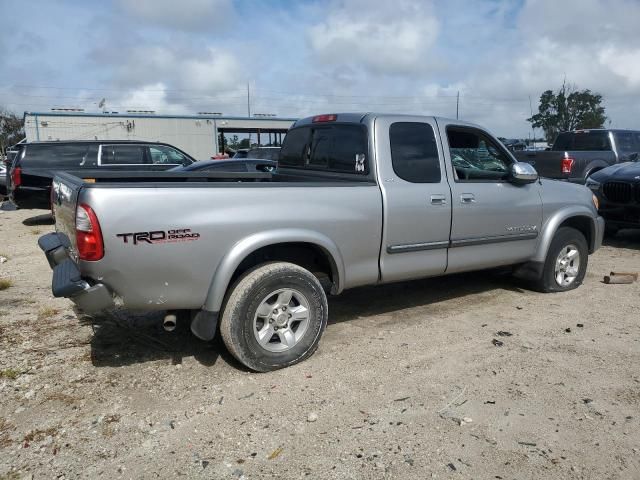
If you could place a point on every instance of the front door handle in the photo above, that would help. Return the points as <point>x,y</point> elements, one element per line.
<point>438,200</point>
<point>467,198</point>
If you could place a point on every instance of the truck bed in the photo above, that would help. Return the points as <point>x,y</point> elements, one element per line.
<point>548,164</point>
<point>217,209</point>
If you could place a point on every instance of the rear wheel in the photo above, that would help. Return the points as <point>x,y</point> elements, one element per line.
<point>566,262</point>
<point>274,316</point>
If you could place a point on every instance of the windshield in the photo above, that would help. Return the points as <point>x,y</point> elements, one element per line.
<point>264,153</point>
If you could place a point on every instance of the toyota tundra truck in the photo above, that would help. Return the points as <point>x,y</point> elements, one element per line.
<point>357,199</point>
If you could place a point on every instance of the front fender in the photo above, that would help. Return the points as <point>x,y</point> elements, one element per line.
<point>558,218</point>
<point>230,262</point>
<point>594,165</point>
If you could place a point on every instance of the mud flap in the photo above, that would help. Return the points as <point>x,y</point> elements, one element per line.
<point>204,324</point>
<point>529,271</point>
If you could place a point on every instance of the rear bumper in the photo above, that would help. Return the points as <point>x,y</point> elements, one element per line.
<point>67,280</point>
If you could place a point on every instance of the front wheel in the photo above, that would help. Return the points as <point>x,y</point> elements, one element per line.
<point>566,262</point>
<point>274,316</point>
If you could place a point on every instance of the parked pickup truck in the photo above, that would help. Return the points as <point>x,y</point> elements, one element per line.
<point>576,155</point>
<point>358,199</point>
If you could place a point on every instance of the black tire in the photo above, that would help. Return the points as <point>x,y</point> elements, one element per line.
<point>248,293</point>
<point>564,237</point>
<point>610,230</point>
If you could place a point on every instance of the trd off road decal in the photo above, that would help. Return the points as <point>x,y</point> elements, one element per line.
<point>159,236</point>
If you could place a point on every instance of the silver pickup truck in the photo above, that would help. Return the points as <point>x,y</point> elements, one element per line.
<point>358,199</point>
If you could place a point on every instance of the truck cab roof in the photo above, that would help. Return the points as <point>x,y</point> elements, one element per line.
<point>362,117</point>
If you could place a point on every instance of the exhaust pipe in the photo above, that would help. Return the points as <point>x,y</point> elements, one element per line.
<point>169,323</point>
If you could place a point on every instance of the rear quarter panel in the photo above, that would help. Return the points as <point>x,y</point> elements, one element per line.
<point>178,275</point>
<point>589,162</point>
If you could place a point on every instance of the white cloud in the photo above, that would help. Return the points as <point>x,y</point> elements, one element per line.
<point>623,62</point>
<point>302,58</point>
<point>382,37</point>
<point>150,97</point>
<point>584,23</point>
<point>208,72</point>
<point>188,15</point>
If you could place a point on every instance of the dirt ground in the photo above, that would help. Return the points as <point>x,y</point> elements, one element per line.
<point>407,383</point>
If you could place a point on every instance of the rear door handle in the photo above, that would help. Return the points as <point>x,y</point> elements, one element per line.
<point>467,198</point>
<point>438,200</point>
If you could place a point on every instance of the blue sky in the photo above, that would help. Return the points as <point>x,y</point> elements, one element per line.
<point>307,57</point>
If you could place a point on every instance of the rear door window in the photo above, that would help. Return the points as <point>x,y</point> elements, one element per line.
<point>123,155</point>
<point>414,153</point>
<point>48,156</point>
<point>591,140</point>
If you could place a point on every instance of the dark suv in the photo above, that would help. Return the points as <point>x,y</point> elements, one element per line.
<point>34,165</point>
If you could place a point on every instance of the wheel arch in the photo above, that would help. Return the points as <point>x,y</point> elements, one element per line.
<point>292,245</point>
<point>580,218</point>
<point>593,167</point>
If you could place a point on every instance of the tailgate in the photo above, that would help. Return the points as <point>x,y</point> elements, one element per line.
<point>64,199</point>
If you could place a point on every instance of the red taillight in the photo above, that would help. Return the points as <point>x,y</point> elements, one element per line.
<point>325,118</point>
<point>16,177</point>
<point>88,234</point>
<point>567,164</point>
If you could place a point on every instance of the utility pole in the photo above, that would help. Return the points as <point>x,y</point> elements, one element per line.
<point>249,109</point>
<point>457,104</point>
<point>248,101</point>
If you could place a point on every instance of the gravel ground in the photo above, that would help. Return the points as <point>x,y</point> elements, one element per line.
<point>407,383</point>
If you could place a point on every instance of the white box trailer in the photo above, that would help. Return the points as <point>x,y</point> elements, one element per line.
<point>198,135</point>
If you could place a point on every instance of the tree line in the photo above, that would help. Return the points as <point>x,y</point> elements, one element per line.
<point>11,130</point>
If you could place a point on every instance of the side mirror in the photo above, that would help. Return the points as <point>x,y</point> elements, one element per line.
<point>634,157</point>
<point>522,173</point>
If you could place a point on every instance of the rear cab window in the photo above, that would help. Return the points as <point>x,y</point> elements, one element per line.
<point>583,140</point>
<point>336,147</point>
